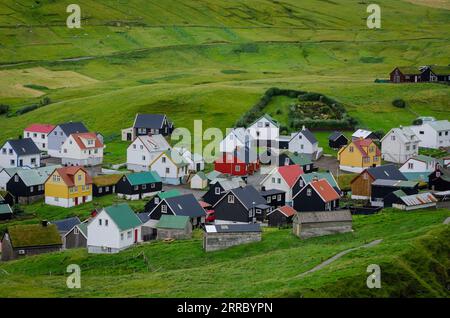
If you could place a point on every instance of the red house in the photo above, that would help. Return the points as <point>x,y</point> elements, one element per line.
<point>241,162</point>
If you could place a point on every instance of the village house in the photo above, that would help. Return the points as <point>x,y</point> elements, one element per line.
<point>219,187</point>
<point>314,224</point>
<point>405,202</point>
<point>171,167</point>
<point>68,187</point>
<point>65,226</point>
<point>275,198</point>
<point>399,144</point>
<point>316,196</point>
<point>432,133</point>
<point>337,140</point>
<point>199,181</point>
<point>381,188</point>
<point>359,155</point>
<point>20,153</point>
<point>237,138</point>
<point>144,150</point>
<point>76,237</point>
<point>28,185</point>
<point>287,158</point>
<point>155,200</point>
<point>361,185</point>
<point>222,236</point>
<point>265,130</point>
<point>213,175</point>
<point>105,184</point>
<point>113,229</point>
<point>30,239</point>
<point>139,185</point>
<point>195,160</point>
<point>176,227</point>
<point>83,149</point>
<point>304,142</point>
<point>364,134</point>
<point>148,124</point>
<point>439,179</point>
<point>60,133</point>
<point>281,216</point>
<point>6,175</point>
<point>418,167</point>
<point>6,213</point>
<point>184,205</point>
<point>314,176</point>
<point>283,178</point>
<point>404,74</point>
<point>39,134</point>
<point>435,73</point>
<point>241,205</point>
<point>241,162</point>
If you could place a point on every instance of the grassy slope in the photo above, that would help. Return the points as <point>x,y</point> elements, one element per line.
<point>412,257</point>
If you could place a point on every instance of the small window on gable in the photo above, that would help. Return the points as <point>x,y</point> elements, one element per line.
<point>230,198</point>
<point>163,208</point>
<point>100,222</point>
<point>308,192</point>
<point>217,191</point>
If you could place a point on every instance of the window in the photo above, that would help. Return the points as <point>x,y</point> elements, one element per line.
<point>440,133</point>
<point>100,190</point>
<point>33,161</point>
<point>163,159</point>
<point>279,198</point>
<point>274,180</point>
<point>16,178</point>
<point>34,135</point>
<point>106,222</point>
<point>217,191</point>
<point>4,151</point>
<point>141,147</point>
<point>136,188</point>
<point>279,180</point>
<point>129,234</point>
<point>31,189</point>
<point>107,189</point>
<point>21,252</point>
<point>267,125</point>
<point>258,211</point>
<point>152,186</point>
<point>10,151</point>
<point>376,158</point>
<point>100,222</point>
<point>301,183</point>
<point>438,174</point>
<point>393,137</point>
<point>351,149</point>
<point>134,146</point>
<point>371,149</point>
<point>156,200</point>
<point>421,132</point>
<point>144,186</point>
<point>260,124</point>
<point>55,133</point>
<point>12,162</point>
<point>269,199</point>
<point>365,176</point>
<point>56,199</point>
<point>411,165</point>
<point>237,168</point>
<point>79,177</point>
<point>121,236</point>
<point>286,161</point>
<point>163,208</point>
<point>167,170</point>
<point>42,136</point>
<point>408,148</point>
<point>414,147</point>
<point>76,231</point>
<point>231,198</point>
<point>28,134</point>
<point>308,192</point>
<point>143,157</point>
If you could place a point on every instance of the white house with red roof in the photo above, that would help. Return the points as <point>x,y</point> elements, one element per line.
<point>316,196</point>
<point>39,134</point>
<point>283,178</point>
<point>82,149</point>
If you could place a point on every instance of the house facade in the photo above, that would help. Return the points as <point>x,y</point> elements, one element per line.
<point>337,140</point>
<point>281,216</point>
<point>39,134</point>
<point>283,178</point>
<point>439,179</point>
<point>76,237</point>
<point>105,184</point>
<point>148,124</point>
<point>419,163</point>
<point>274,198</point>
<point>144,150</point>
<point>171,167</point>
<point>199,181</point>
<point>359,155</point>
<point>139,185</point>
<point>223,236</point>
<point>20,153</point>
<point>406,74</point>
<point>83,149</point>
<point>399,144</point>
<point>60,133</point>
<point>435,73</point>
<point>305,142</point>
<point>68,187</point>
<point>264,131</point>
<point>287,158</point>
<point>316,196</point>
<point>219,187</point>
<point>433,133</point>
<point>241,162</point>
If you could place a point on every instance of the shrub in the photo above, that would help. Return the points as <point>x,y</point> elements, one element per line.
<point>45,101</point>
<point>399,103</point>
<point>4,109</point>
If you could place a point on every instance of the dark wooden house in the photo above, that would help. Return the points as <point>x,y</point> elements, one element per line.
<point>274,197</point>
<point>31,239</point>
<point>287,158</point>
<point>76,237</point>
<point>218,188</point>
<point>405,75</point>
<point>381,188</point>
<point>152,124</point>
<point>435,73</point>
<point>337,140</point>
<point>316,196</point>
<point>243,204</point>
<point>6,213</point>
<point>153,203</point>
<point>136,186</point>
<point>439,180</point>
<point>105,184</point>
<point>281,216</point>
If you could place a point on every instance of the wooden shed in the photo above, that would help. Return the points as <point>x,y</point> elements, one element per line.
<point>6,212</point>
<point>174,227</point>
<point>281,216</point>
<point>199,181</point>
<point>219,237</point>
<point>76,237</point>
<point>312,224</point>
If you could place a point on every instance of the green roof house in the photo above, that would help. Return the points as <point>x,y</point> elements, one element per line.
<point>5,212</point>
<point>30,239</point>
<point>139,185</point>
<point>113,229</point>
<point>174,227</point>
<point>199,181</point>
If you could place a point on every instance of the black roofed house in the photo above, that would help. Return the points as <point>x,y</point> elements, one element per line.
<point>60,133</point>
<point>337,140</point>
<point>176,227</point>
<point>218,187</point>
<point>439,180</point>
<point>105,184</point>
<point>317,195</point>
<point>435,73</point>
<point>312,224</point>
<point>241,205</point>
<point>184,205</point>
<point>66,225</point>
<point>76,237</point>
<point>274,197</point>
<point>281,216</point>
<point>287,158</point>
<point>31,239</point>
<point>404,74</point>
<point>20,153</point>
<point>305,142</point>
<point>154,201</point>
<point>222,236</point>
<point>136,186</point>
<point>6,212</point>
<point>381,188</point>
<point>148,124</point>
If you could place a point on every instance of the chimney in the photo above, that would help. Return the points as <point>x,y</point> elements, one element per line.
<point>315,179</point>
<point>44,223</point>
<point>303,127</point>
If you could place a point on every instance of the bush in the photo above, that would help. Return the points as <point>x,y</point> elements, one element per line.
<point>4,109</point>
<point>399,103</point>
<point>45,101</point>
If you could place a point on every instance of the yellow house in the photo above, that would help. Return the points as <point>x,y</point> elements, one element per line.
<point>359,155</point>
<point>68,187</point>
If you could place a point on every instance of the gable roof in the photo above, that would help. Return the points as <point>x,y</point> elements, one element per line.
<point>11,171</point>
<point>227,184</point>
<point>67,175</point>
<point>5,209</point>
<point>66,224</point>
<point>40,128</point>
<point>32,177</point>
<point>300,159</point>
<point>325,190</point>
<point>409,70</point>
<point>439,125</point>
<point>290,174</point>
<point>24,147</point>
<point>286,210</point>
<point>360,144</point>
<point>248,196</point>
<point>186,205</point>
<point>123,216</point>
<point>144,177</point>
<point>269,118</point>
<point>106,180</point>
<point>149,121</point>
<point>307,134</point>
<point>34,235</point>
<point>154,142</point>
<point>309,177</point>
<point>440,70</point>
<point>361,133</point>
<point>213,175</point>
<point>73,128</point>
<point>233,228</point>
<point>201,175</point>
<point>79,140</point>
<point>83,228</point>
<point>405,134</point>
<point>169,194</point>
<point>323,217</point>
<point>176,222</point>
<point>175,157</point>
<point>388,172</point>
<point>335,135</point>
<point>423,158</point>
<point>143,216</point>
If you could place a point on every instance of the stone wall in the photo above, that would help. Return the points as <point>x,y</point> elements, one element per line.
<point>220,241</point>
<point>305,231</point>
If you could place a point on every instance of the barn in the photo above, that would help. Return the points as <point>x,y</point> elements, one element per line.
<point>312,224</point>
<point>176,227</point>
<point>76,237</point>
<point>219,237</point>
<point>382,188</point>
<point>281,217</point>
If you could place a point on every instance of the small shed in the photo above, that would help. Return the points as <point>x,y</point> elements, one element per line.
<point>406,202</point>
<point>76,237</point>
<point>199,181</point>
<point>312,224</point>
<point>174,227</point>
<point>281,216</point>
<point>6,212</point>
<point>219,237</point>
<point>337,140</point>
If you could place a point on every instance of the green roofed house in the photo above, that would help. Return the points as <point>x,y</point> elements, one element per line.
<point>135,186</point>
<point>6,212</point>
<point>199,181</point>
<point>31,239</point>
<point>436,73</point>
<point>174,227</point>
<point>113,229</point>
<point>150,205</point>
<point>288,158</point>
<point>404,74</point>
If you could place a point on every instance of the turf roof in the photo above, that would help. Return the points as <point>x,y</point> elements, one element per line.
<point>34,235</point>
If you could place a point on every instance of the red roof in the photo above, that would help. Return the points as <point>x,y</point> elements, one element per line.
<point>204,204</point>
<point>325,190</point>
<point>40,128</point>
<point>361,143</point>
<point>287,210</point>
<point>78,139</point>
<point>290,173</point>
<point>68,173</point>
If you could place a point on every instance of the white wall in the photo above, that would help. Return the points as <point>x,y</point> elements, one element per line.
<point>417,166</point>
<point>396,150</point>
<point>138,155</point>
<point>160,167</point>
<point>40,139</point>
<point>301,144</point>
<point>265,133</point>
<point>5,158</point>
<point>271,184</point>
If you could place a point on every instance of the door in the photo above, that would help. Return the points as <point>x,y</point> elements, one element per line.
<point>21,163</point>
<point>136,236</point>
<point>129,136</point>
<point>198,166</point>
<point>76,201</point>
<point>84,199</point>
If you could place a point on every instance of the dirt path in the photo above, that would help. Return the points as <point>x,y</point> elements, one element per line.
<point>336,257</point>
<point>447,221</point>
